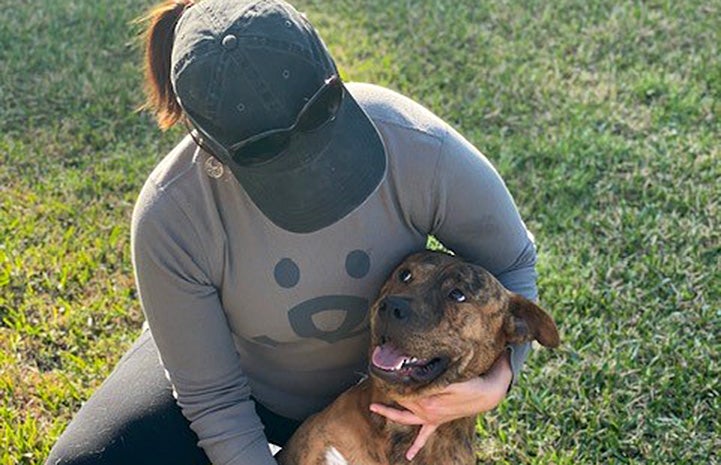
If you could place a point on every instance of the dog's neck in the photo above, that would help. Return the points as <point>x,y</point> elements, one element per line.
<point>458,434</point>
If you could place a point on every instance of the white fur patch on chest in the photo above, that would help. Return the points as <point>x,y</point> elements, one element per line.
<point>333,457</point>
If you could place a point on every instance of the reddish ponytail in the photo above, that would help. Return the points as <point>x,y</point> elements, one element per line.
<point>159,35</point>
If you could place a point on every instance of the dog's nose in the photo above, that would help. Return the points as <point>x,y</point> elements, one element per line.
<point>395,307</point>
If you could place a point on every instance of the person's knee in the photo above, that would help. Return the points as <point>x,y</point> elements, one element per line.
<point>131,443</point>
<point>96,442</point>
<point>69,452</point>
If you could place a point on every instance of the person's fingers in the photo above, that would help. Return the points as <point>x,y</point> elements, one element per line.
<point>420,441</point>
<point>404,417</point>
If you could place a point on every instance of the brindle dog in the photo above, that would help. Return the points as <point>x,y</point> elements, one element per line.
<point>438,320</point>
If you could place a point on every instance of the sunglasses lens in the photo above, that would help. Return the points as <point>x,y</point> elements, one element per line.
<point>262,148</point>
<point>322,109</point>
<point>319,110</point>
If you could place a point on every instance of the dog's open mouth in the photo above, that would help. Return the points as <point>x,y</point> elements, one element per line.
<point>393,365</point>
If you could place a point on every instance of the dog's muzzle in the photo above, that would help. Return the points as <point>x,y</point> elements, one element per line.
<point>390,362</point>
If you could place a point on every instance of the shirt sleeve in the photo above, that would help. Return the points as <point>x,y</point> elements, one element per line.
<point>187,321</point>
<point>477,218</point>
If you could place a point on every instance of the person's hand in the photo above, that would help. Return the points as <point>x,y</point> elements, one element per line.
<point>458,400</point>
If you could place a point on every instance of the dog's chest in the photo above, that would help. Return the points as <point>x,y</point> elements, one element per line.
<point>451,444</point>
<point>450,453</point>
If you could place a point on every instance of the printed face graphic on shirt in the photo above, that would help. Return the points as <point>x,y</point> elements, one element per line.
<point>329,318</point>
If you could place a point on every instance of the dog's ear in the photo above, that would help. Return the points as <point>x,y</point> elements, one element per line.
<point>527,321</point>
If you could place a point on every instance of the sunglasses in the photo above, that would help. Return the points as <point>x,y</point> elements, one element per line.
<point>318,111</point>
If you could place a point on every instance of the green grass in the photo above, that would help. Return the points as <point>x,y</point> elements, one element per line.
<point>602,117</point>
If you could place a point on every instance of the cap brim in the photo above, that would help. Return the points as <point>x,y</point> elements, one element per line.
<point>322,176</point>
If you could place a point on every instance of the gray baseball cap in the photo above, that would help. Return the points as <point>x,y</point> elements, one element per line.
<point>244,67</point>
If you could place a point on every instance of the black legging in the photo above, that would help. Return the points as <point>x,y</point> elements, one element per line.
<point>133,419</point>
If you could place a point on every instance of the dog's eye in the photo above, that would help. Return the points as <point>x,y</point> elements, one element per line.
<point>405,276</point>
<point>457,295</point>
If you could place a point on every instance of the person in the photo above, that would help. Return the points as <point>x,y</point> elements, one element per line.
<point>260,240</point>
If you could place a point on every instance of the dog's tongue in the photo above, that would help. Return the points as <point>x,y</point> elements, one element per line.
<point>387,357</point>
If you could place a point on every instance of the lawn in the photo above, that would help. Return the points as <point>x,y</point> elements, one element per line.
<point>602,117</point>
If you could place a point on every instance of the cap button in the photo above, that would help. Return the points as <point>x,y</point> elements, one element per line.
<point>229,42</point>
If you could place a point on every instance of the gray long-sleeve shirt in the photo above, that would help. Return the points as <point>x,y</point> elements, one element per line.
<point>238,305</point>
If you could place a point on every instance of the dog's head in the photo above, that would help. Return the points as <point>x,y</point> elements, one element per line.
<point>440,320</point>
